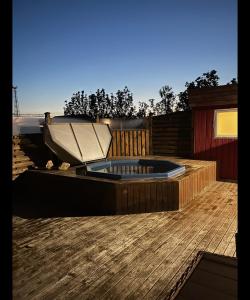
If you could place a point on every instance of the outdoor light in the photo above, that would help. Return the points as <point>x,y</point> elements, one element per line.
<point>107,121</point>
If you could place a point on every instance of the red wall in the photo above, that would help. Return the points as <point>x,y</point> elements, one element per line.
<point>206,147</point>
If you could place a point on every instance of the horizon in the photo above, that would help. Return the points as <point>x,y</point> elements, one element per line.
<point>60,48</point>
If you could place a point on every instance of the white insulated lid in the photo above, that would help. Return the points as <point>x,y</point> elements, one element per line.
<point>83,141</point>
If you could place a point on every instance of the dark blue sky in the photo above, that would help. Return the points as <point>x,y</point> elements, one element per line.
<point>62,46</point>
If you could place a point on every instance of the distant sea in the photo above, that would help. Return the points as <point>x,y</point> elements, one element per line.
<point>33,123</point>
<point>27,124</point>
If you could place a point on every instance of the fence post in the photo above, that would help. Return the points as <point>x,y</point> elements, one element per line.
<point>48,119</point>
<point>150,135</point>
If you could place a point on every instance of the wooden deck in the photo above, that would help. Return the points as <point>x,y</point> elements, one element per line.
<point>137,256</point>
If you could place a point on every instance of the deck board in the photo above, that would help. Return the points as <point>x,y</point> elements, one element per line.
<point>179,255</point>
<point>113,257</point>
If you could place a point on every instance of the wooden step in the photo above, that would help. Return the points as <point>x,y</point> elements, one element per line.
<point>22,164</point>
<point>20,158</point>
<point>16,147</point>
<point>18,153</point>
<point>18,171</point>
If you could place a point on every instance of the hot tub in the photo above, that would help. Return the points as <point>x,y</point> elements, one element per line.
<point>129,185</point>
<point>132,169</point>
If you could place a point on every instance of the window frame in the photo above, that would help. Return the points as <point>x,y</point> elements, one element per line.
<point>216,111</point>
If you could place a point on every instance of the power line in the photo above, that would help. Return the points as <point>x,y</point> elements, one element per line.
<point>16,105</point>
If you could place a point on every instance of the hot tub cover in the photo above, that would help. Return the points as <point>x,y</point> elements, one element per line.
<point>78,142</point>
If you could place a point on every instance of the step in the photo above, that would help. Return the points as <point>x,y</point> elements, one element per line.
<point>14,176</point>
<point>18,171</point>
<point>16,147</point>
<point>18,153</point>
<point>22,164</point>
<point>20,158</point>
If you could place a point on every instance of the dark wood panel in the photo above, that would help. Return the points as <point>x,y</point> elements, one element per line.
<point>172,134</point>
<point>220,95</point>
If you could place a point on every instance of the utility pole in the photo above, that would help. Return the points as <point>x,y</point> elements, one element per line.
<point>16,105</point>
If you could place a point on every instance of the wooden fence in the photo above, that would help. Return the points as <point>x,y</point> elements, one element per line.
<point>131,142</point>
<point>172,134</point>
<point>30,150</point>
<point>166,135</point>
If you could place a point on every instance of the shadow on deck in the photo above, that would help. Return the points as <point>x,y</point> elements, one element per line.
<point>46,202</point>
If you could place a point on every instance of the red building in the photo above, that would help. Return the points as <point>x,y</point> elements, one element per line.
<point>214,111</point>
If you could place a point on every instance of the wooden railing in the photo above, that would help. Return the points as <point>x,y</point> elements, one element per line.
<point>130,142</point>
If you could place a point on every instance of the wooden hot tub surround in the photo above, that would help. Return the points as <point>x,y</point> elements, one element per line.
<point>106,196</point>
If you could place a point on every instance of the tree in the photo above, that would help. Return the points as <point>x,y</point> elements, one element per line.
<point>142,110</point>
<point>77,105</point>
<point>206,80</point>
<point>166,105</point>
<point>101,105</point>
<point>233,81</point>
<point>93,107</point>
<point>123,104</point>
<point>152,109</point>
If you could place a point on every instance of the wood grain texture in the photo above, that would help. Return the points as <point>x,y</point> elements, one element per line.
<point>130,143</point>
<point>172,134</point>
<point>211,96</point>
<point>136,256</point>
<point>107,196</point>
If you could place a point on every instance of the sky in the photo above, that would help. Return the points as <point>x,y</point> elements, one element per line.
<point>64,46</point>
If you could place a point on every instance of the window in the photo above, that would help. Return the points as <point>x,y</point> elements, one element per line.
<point>226,123</point>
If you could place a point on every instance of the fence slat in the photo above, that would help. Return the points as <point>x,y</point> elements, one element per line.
<point>130,142</point>
<point>139,142</point>
<point>147,143</point>
<point>126,143</point>
<point>118,143</point>
<point>143,142</point>
<point>122,141</point>
<point>135,142</point>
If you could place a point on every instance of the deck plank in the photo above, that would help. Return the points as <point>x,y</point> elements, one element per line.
<point>164,270</point>
<point>113,257</point>
<point>201,242</point>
